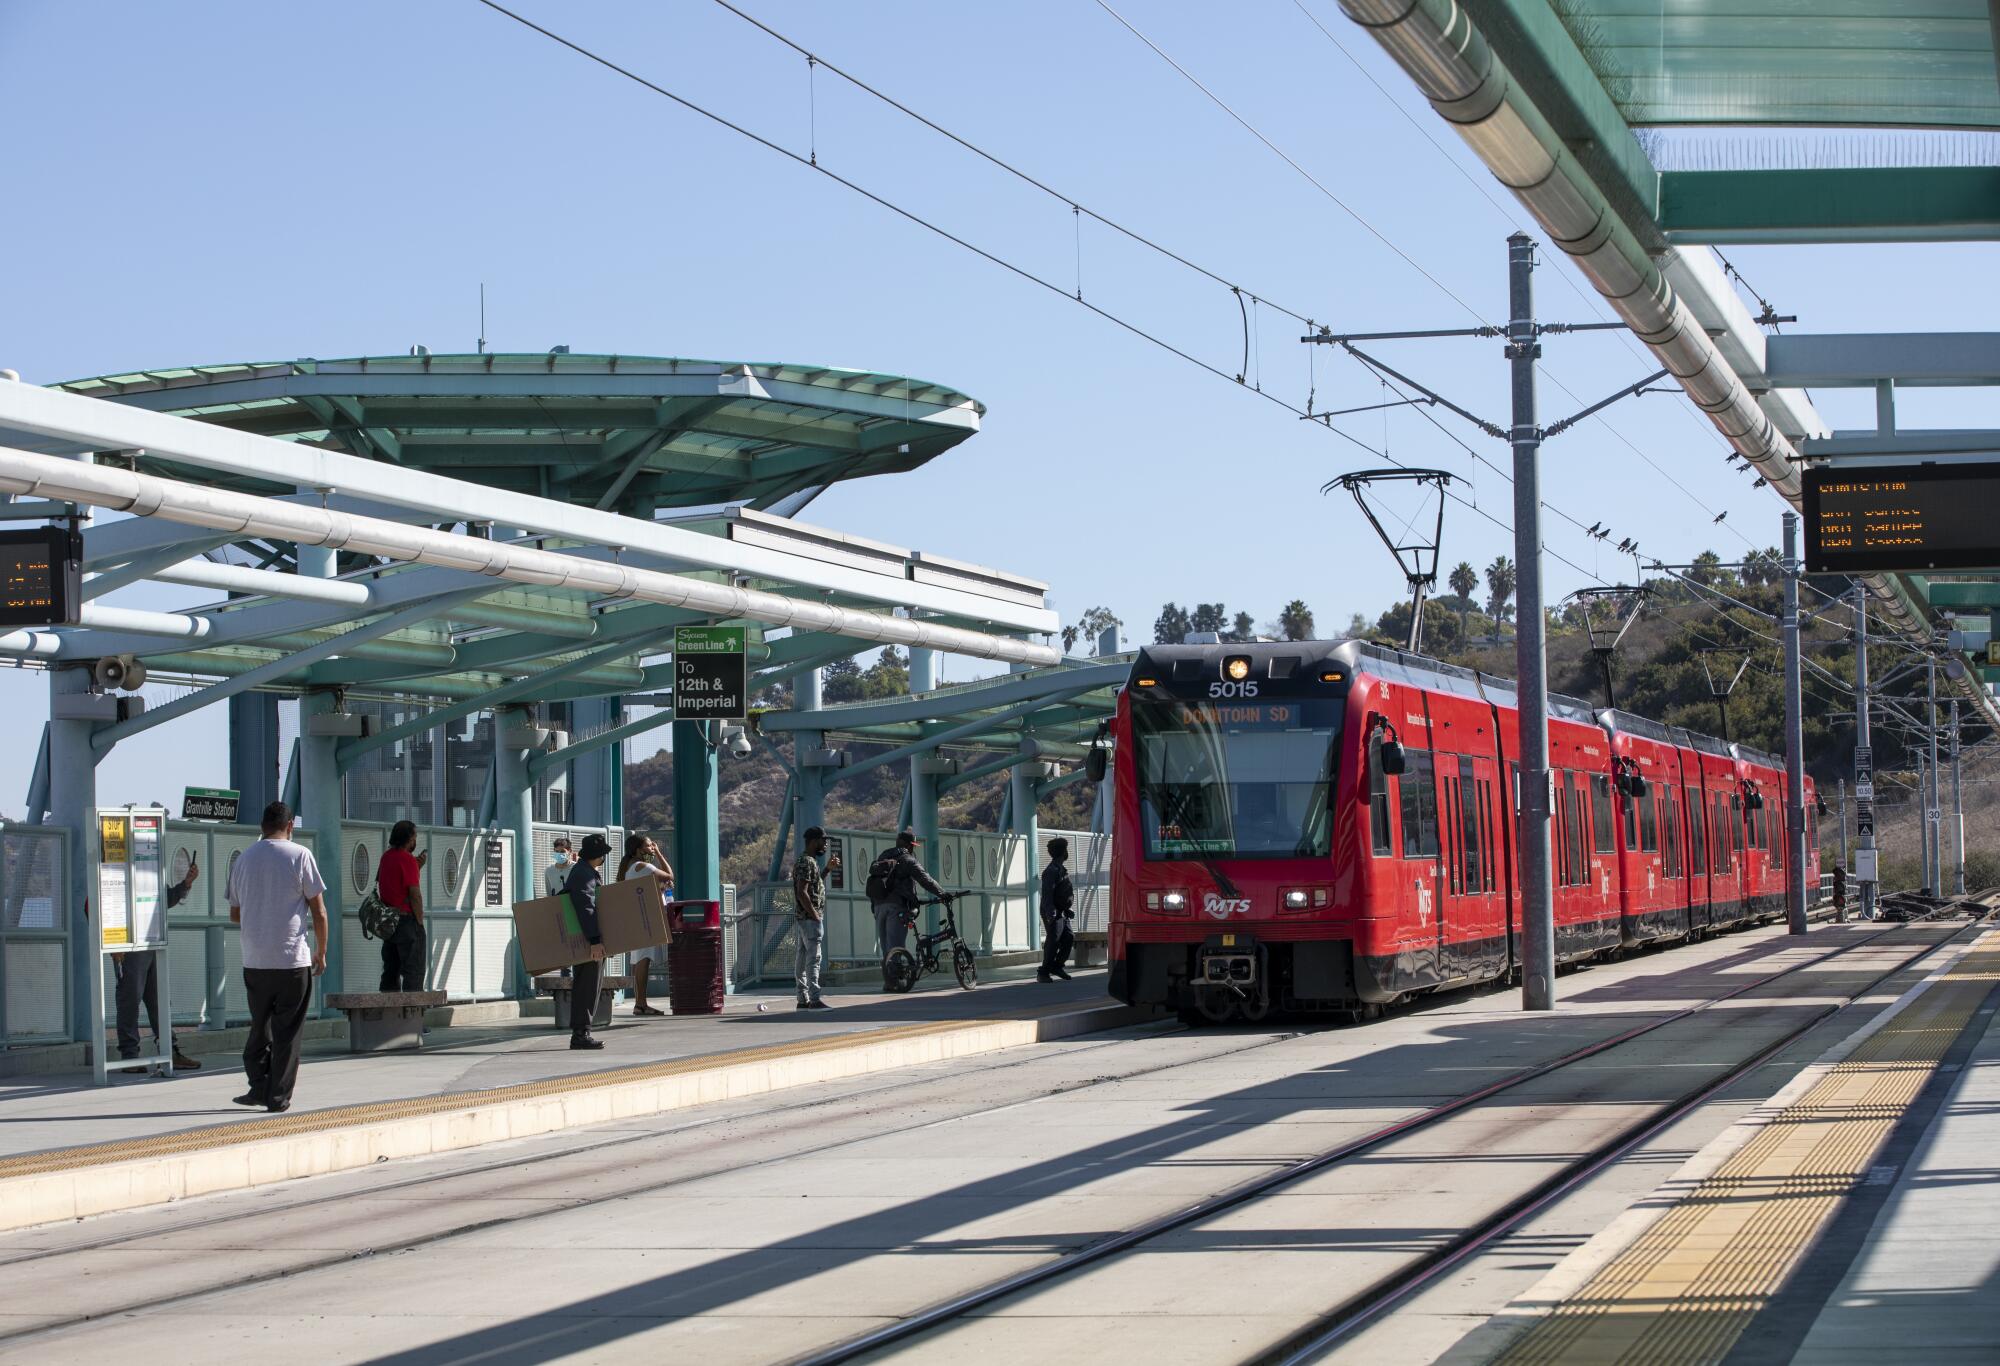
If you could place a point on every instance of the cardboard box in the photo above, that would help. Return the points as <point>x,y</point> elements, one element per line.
<point>630,915</point>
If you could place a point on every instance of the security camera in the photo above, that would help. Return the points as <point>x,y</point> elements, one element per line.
<point>736,740</point>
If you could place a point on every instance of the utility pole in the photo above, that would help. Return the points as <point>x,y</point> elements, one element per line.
<point>1538,920</point>
<point>1934,829</point>
<point>1957,809</point>
<point>1864,763</point>
<point>1795,745</point>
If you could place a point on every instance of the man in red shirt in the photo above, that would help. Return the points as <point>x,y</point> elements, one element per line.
<point>399,882</point>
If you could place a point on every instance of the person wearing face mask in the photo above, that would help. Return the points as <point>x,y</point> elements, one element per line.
<point>557,873</point>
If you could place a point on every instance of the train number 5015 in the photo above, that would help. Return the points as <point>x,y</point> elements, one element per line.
<point>1226,689</point>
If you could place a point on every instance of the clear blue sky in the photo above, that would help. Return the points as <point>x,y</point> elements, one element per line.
<point>236,181</point>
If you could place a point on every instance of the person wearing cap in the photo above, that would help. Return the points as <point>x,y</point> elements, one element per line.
<point>581,886</point>
<point>809,906</point>
<point>906,876</point>
<point>1058,907</point>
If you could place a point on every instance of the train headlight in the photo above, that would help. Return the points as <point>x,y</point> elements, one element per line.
<point>1167,903</point>
<point>1296,900</point>
<point>1236,669</point>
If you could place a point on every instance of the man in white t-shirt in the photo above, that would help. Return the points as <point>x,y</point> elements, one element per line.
<point>274,886</point>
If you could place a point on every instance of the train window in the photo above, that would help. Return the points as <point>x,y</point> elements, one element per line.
<point>1486,840</point>
<point>1671,813</point>
<point>1649,823</point>
<point>1561,839</point>
<point>1720,829</point>
<point>1697,832</point>
<point>1468,807</point>
<point>1378,800</point>
<point>1419,803</point>
<point>1448,833</point>
<point>1631,822</point>
<point>1600,813</point>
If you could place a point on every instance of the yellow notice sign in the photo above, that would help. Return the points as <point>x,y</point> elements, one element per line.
<point>115,831</point>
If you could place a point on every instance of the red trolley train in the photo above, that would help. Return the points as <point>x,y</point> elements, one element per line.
<point>1316,826</point>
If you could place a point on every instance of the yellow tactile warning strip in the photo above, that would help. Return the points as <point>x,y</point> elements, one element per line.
<point>315,1121</point>
<point>1686,1288</point>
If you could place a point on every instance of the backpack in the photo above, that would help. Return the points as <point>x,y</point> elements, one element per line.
<point>879,873</point>
<point>378,918</point>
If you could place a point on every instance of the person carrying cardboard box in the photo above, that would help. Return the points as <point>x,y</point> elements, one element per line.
<point>581,887</point>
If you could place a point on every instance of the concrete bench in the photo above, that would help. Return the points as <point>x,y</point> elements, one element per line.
<point>381,1021</point>
<point>1086,942</point>
<point>557,987</point>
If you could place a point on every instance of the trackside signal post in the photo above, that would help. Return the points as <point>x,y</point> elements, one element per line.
<point>1795,763</point>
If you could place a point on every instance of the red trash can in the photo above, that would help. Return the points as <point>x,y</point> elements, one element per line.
<point>694,959</point>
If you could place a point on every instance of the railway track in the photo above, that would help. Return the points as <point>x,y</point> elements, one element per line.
<point>1355,1311</point>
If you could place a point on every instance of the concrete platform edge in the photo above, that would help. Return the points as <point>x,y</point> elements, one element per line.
<point>106,1188</point>
<point>1492,1338</point>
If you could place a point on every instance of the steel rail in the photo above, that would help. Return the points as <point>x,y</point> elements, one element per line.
<point>1358,1311</point>
<point>1069,1263</point>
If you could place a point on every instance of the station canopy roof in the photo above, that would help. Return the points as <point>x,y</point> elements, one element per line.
<point>1821,63</point>
<point>631,433</point>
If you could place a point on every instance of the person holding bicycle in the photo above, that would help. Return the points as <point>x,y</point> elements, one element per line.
<point>907,881</point>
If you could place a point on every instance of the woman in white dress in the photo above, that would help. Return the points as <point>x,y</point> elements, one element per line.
<point>644,859</point>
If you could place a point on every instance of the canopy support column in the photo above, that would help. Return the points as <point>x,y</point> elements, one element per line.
<point>73,804</point>
<point>514,811</point>
<point>320,812</point>
<point>1023,826</point>
<point>697,813</point>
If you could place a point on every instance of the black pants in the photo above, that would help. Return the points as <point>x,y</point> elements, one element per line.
<point>1057,938</point>
<point>138,982</point>
<point>280,999</point>
<point>583,997</point>
<point>403,956</point>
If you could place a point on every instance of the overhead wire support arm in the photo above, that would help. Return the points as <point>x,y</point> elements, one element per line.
<point>1629,391</point>
<point>1497,432</point>
<point>1324,337</point>
<point>1367,408</point>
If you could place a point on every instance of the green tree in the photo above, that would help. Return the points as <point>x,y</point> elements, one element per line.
<point>1095,621</point>
<point>1500,588</point>
<point>1464,581</point>
<point>1763,567</point>
<point>1245,628</point>
<point>840,681</point>
<point>1296,620</point>
<point>1210,616</point>
<point>889,676</point>
<point>1707,568</point>
<point>1171,627</point>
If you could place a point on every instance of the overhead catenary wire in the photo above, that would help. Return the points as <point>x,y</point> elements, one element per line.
<point>1256,299</point>
<point>994,258</point>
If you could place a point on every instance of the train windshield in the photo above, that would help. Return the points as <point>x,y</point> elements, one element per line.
<point>1230,779</point>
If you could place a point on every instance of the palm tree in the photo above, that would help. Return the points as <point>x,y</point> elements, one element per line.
<point>1500,586</point>
<point>1464,579</point>
<point>1297,620</point>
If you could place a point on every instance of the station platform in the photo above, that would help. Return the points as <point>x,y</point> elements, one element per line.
<point>70,1149</point>
<point>1847,1219</point>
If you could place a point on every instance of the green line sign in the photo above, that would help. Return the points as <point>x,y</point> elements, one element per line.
<point>709,674</point>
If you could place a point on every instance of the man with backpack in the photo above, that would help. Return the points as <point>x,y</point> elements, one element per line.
<point>892,888</point>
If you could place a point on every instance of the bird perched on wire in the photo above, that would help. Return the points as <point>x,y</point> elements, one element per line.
<point>1593,528</point>
<point>1720,515</point>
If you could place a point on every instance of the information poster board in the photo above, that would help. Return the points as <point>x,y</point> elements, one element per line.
<point>1861,518</point>
<point>128,909</point>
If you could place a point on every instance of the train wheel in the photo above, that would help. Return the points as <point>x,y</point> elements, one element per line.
<point>1215,1007</point>
<point>1364,1014</point>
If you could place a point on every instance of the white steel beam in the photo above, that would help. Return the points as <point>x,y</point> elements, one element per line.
<point>104,425</point>
<point>244,514</point>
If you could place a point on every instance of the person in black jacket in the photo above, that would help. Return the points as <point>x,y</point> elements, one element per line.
<point>138,981</point>
<point>581,886</point>
<point>1058,914</point>
<point>907,883</point>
